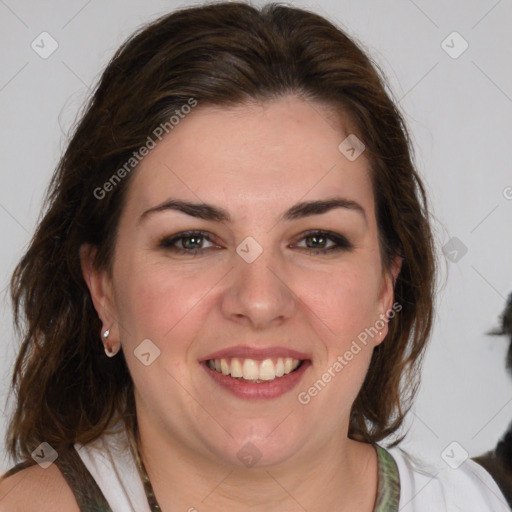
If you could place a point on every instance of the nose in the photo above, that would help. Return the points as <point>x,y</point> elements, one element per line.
<point>259,294</point>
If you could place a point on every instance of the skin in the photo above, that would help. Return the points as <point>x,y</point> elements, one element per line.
<point>255,161</point>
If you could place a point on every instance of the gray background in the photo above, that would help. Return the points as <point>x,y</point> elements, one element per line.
<point>459,113</point>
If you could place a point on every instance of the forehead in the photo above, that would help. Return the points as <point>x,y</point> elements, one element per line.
<point>271,153</point>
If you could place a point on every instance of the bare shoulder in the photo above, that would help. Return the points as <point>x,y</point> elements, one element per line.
<point>35,488</point>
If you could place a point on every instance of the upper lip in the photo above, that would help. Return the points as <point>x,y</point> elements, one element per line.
<point>259,354</point>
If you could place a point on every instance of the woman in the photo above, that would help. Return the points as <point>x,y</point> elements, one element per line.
<point>238,226</point>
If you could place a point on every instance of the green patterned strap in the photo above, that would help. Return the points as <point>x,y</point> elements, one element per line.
<point>87,493</point>
<point>388,490</point>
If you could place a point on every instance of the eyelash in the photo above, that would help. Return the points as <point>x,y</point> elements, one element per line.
<point>341,243</point>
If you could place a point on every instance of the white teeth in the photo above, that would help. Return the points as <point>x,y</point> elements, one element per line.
<point>267,370</point>
<point>280,367</point>
<point>250,369</point>
<point>224,366</point>
<point>236,368</point>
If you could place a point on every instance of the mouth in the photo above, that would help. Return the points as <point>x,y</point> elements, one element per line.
<point>254,371</point>
<point>259,376</point>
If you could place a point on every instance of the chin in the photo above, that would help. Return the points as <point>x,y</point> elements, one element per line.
<point>271,447</point>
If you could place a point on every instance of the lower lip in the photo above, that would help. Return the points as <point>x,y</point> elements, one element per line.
<point>264,390</point>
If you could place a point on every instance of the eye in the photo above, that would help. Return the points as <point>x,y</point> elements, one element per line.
<point>317,242</point>
<point>187,242</point>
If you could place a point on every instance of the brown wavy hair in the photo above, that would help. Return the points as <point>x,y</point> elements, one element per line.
<point>224,54</point>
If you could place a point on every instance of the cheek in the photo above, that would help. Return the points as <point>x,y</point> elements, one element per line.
<point>161,304</point>
<point>344,298</point>
<point>155,300</point>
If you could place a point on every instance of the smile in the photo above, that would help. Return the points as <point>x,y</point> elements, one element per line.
<point>249,384</point>
<point>251,370</point>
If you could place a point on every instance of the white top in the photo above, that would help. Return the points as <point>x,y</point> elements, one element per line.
<point>425,486</point>
<point>433,486</point>
<point>111,464</point>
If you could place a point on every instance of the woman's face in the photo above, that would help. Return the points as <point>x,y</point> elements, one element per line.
<point>252,286</point>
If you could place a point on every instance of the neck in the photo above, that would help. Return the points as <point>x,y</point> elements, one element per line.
<point>341,475</point>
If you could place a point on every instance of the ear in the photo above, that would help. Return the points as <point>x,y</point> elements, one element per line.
<point>387,294</point>
<point>100,287</point>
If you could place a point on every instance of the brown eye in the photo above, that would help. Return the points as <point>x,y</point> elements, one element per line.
<point>189,242</point>
<point>317,242</point>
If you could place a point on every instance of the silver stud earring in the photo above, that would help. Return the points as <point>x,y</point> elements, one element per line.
<point>106,333</point>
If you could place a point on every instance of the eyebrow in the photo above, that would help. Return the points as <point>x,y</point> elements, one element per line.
<point>214,213</point>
